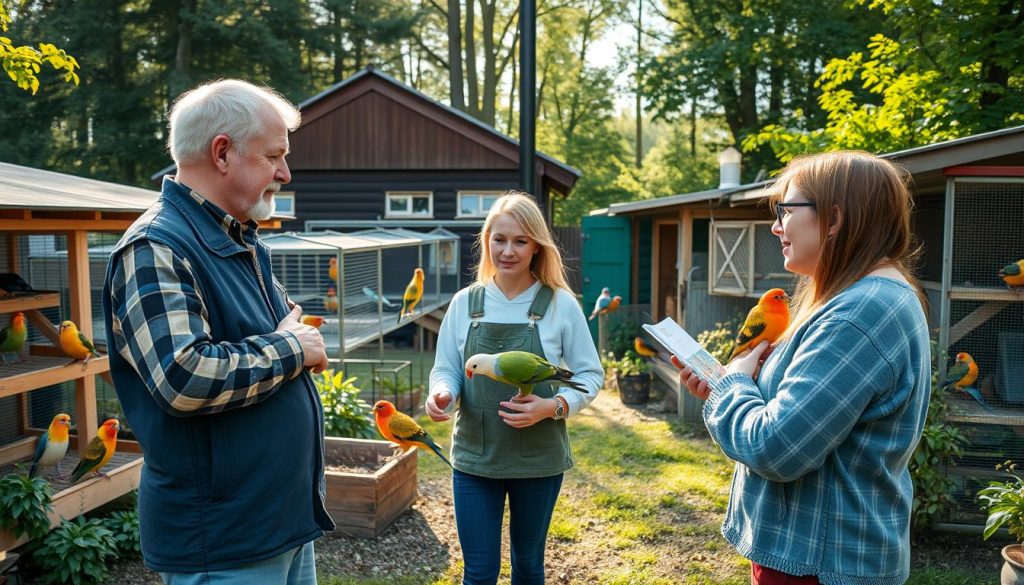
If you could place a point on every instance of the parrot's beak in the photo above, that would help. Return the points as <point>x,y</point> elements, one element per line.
<point>469,373</point>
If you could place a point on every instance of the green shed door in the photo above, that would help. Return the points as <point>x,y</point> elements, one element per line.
<point>606,255</point>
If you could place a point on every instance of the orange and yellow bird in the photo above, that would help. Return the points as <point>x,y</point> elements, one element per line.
<point>52,446</point>
<point>331,300</point>
<point>12,337</point>
<point>312,320</point>
<point>332,270</point>
<point>413,294</point>
<point>1013,274</point>
<point>766,321</point>
<point>643,348</point>
<point>101,448</point>
<point>76,345</point>
<point>400,429</point>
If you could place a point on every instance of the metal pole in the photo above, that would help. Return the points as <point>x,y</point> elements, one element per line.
<point>380,301</point>
<point>947,275</point>
<point>527,94</point>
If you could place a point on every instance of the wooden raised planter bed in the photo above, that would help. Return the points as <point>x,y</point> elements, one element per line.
<point>373,489</point>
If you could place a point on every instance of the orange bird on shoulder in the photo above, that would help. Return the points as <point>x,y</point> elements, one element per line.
<point>766,321</point>
<point>101,448</point>
<point>402,430</point>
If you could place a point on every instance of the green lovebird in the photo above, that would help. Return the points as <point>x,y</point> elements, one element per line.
<point>521,369</point>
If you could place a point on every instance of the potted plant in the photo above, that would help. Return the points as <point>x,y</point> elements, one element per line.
<point>634,379</point>
<point>1004,501</point>
<point>368,485</point>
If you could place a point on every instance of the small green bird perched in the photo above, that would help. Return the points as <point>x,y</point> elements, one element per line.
<point>521,369</point>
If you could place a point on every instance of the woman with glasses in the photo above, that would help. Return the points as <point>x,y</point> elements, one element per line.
<point>822,429</point>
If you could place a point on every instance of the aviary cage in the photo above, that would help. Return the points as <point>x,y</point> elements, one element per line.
<point>372,267</point>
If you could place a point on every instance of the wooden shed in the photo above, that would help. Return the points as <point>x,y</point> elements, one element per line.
<point>373,152</point>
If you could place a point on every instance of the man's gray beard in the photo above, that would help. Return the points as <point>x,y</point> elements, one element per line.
<point>263,210</point>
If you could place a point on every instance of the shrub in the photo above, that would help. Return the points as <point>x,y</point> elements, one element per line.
<point>124,528</point>
<point>25,505</point>
<point>940,445</point>
<point>631,364</point>
<point>76,552</point>
<point>720,340</point>
<point>345,414</point>
<point>621,336</point>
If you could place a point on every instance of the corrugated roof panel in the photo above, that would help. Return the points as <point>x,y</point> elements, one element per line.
<point>27,188</point>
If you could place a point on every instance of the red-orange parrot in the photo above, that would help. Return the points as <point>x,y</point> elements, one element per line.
<point>766,321</point>
<point>400,429</point>
<point>101,448</point>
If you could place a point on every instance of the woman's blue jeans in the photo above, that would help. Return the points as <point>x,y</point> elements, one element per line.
<point>479,511</point>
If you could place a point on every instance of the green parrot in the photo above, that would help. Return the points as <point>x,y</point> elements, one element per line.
<point>521,369</point>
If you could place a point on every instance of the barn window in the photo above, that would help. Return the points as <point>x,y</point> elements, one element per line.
<point>476,203</point>
<point>284,203</point>
<point>410,204</point>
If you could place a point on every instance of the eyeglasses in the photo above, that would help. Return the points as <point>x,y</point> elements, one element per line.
<point>780,208</point>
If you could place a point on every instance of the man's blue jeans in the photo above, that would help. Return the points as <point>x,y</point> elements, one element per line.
<point>295,567</point>
<point>479,511</point>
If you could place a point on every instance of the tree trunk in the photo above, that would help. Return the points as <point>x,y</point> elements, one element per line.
<point>181,77</point>
<point>455,79</point>
<point>490,88</point>
<point>473,89</point>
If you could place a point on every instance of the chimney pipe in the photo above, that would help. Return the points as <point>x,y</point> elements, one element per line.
<point>729,168</point>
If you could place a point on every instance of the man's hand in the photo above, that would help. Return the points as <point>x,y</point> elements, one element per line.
<point>313,349</point>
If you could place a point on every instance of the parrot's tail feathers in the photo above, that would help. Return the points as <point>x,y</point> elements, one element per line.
<point>576,386</point>
<point>437,450</point>
<point>33,470</point>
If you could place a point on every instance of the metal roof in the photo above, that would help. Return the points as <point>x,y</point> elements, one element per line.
<point>327,242</point>
<point>28,188</point>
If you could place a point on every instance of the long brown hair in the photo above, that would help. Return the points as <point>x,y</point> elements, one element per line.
<point>868,201</point>
<point>546,265</point>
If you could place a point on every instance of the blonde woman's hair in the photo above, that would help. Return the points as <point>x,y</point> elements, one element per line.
<point>546,265</point>
<point>869,198</point>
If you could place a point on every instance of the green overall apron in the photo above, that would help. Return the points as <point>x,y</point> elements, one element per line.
<point>483,443</point>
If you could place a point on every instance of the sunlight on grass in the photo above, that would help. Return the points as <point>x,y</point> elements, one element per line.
<point>641,557</point>
<point>634,576</point>
<point>565,530</point>
<point>950,577</point>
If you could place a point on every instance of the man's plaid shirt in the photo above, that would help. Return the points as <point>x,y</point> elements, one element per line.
<point>160,326</point>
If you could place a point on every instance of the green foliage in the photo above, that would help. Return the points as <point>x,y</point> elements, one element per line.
<point>76,552</point>
<point>23,63</point>
<point>941,444</point>
<point>632,364</point>
<point>124,528</point>
<point>345,414</point>
<point>958,76</point>
<point>621,336</point>
<point>720,340</point>
<point>24,505</point>
<point>1004,501</point>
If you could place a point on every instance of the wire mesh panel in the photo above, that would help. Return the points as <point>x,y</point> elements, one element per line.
<point>985,335</point>
<point>362,317</point>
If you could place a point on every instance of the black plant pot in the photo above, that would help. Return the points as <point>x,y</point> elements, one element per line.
<point>635,388</point>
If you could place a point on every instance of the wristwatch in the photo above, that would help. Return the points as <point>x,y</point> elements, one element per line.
<point>560,408</point>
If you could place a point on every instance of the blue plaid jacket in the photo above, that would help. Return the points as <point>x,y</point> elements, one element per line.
<point>822,440</point>
<point>230,424</point>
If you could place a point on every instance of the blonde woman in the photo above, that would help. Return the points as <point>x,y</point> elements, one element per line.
<point>822,432</point>
<point>503,449</point>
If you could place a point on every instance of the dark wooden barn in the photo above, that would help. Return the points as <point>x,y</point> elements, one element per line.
<point>374,152</point>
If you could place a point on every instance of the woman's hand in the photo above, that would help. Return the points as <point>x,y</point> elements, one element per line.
<point>749,362</point>
<point>436,405</point>
<point>696,386</point>
<point>528,411</point>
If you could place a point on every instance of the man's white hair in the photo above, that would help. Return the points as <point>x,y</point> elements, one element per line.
<point>229,106</point>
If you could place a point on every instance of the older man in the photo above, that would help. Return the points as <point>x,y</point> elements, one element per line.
<point>210,363</point>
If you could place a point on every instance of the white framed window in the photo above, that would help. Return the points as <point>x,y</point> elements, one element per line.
<point>744,258</point>
<point>476,203</point>
<point>284,203</point>
<point>409,204</point>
